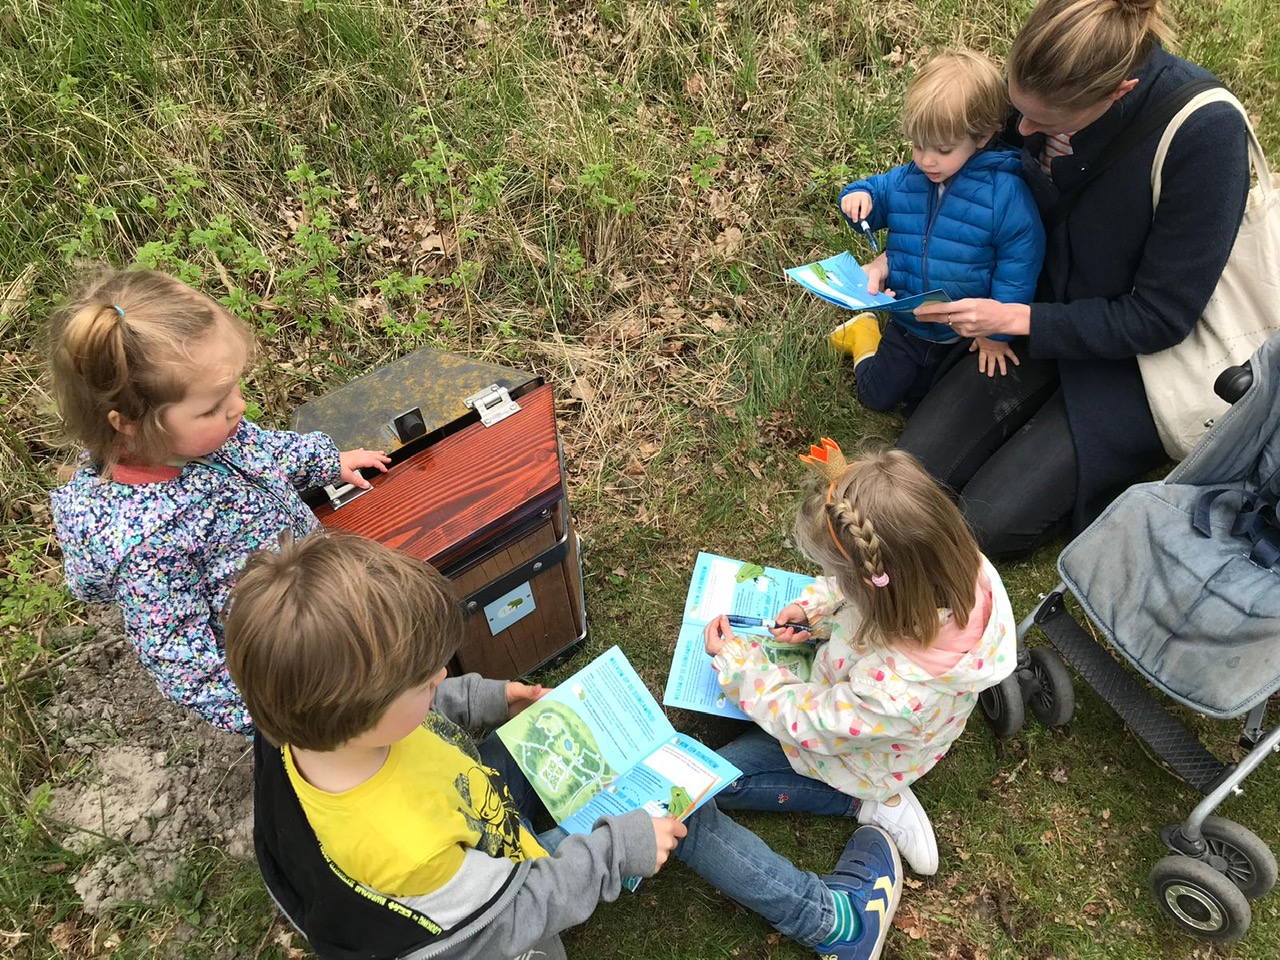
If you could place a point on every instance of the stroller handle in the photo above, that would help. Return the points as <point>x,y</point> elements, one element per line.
<point>1233,382</point>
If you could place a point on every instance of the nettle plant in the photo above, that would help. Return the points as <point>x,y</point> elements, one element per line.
<point>221,244</point>
<point>308,286</point>
<point>610,187</point>
<point>706,156</point>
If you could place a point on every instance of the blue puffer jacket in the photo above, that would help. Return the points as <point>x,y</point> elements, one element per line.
<point>983,238</point>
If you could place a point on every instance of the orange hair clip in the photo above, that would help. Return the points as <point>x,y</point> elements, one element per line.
<point>829,463</point>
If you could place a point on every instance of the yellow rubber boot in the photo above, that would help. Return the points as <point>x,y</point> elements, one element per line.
<point>859,337</point>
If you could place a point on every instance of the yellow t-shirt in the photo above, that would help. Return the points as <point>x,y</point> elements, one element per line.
<point>404,831</point>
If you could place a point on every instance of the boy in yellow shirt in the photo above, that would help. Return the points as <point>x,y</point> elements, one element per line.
<point>383,831</point>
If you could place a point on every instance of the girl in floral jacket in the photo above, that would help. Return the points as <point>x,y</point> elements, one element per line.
<point>175,488</point>
<point>914,624</point>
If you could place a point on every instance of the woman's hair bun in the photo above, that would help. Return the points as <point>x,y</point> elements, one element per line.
<point>1137,8</point>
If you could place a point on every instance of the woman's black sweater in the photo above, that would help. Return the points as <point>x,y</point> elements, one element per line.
<point>1117,282</point>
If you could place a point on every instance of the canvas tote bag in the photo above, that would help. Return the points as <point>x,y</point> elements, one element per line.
<point>1242,313</point>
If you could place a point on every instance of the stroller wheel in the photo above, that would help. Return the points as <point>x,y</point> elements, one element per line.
<point>1199,899</point>
<point>1055,700</point>
<point>1003,706</point>
<point>1240,855</point>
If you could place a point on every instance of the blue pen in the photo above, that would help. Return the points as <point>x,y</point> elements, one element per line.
<point>738,620</point>
<point>871,237</point>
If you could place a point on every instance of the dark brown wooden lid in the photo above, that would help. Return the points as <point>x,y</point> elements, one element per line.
<point>464,492</point>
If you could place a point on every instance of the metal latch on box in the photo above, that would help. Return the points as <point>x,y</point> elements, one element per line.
<point>493,403</point>
<point>548,558</point>
<point>340,494</point>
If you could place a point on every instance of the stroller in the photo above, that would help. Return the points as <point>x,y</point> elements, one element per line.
<point>1182,578</point>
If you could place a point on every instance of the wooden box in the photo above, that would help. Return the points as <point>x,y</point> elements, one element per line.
<point>477,491</point>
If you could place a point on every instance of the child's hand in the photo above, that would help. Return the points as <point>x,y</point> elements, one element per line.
<point>856,205</point>
<point>353,460</point>
<point>791,613</point>
<point>716,634</point>
<point>992,354</point>
<point>521,696</point>
<point>667,831</point>
<point>877,272</point>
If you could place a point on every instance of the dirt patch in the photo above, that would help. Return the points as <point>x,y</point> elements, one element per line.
<point>156,780</point>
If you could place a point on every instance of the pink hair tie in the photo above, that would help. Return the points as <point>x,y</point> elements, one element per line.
<point>880,580</point>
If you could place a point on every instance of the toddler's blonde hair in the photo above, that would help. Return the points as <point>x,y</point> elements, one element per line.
<point>892,519</point>
<point>124,345</point>
<point>957,94</point>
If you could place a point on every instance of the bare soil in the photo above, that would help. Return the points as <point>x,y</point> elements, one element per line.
<point>154,780</point>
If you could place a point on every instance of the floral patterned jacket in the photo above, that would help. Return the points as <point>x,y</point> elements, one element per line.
<point>167,552</point>
<point>869,721</point>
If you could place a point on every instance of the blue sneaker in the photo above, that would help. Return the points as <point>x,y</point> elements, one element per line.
<point>870,873</point>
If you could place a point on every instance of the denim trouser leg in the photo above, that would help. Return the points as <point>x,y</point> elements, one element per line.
<point>1003,446</point>
<point>744,868</point>
<point>494,753</point>
<point>724,853</point>
<point>769,783</point>
<point>968,416</point>
<point>902,369</point>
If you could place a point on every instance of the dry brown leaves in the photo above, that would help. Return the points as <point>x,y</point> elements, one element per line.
<point>80,936</point>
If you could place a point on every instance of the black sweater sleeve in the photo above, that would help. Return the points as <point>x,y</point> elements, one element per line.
<point>1204,186</point>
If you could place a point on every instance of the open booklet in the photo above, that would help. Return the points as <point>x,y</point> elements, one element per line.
<point>721,585</point>
<point>840,280</point>
<point>599,744</point>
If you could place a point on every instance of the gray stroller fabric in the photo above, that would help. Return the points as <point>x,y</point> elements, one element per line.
<point>1192,612</point>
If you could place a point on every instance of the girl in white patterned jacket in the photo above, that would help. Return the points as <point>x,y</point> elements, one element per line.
<point>915,623</point>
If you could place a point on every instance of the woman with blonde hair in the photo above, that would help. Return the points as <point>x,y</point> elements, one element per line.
<point>1067,429</point>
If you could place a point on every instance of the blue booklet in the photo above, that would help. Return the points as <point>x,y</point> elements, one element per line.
<point>842,281</point>
<point>747,590</point>
<point>599,744</point>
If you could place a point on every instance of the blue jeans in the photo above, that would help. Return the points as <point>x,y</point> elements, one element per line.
<point>769,783</point>
<point>902,370</point>
<point>724,853</point>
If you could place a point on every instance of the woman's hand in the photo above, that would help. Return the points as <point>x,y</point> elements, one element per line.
<point>791,613</point>
<point>353,460</point>
<point>877,272</point>
<point>716,634</point>
<point>976,317</point>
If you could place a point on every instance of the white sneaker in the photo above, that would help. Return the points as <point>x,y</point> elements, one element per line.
<point>910,828</point>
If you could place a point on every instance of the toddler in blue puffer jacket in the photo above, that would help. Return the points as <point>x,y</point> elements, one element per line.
<point>960,218</point>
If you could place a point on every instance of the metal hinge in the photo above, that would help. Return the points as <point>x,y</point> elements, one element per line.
<point>493,403</point>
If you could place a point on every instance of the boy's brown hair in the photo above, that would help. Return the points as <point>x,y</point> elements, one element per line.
<point>323,635</point>
<point>123,345</point>
<point>892,520</point>
<point>957,94</point>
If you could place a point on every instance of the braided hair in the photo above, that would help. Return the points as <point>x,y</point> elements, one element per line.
<point>897,546</point>
<point>859,532</point>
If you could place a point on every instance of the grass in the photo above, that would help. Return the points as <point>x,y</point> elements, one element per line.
<point>604,192</point>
